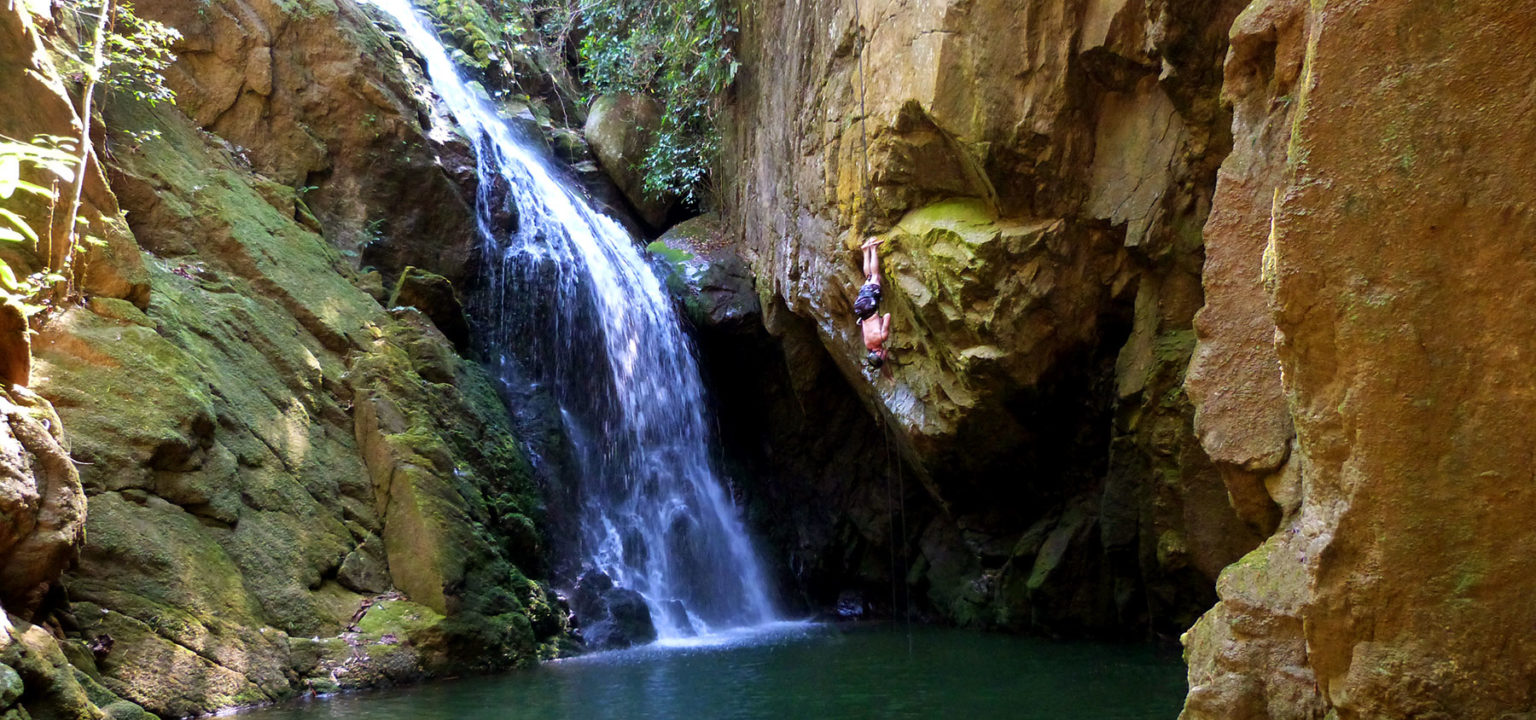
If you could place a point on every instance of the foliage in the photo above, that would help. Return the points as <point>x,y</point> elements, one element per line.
<point>53,155</point>
<point>138,51</point>
<point>677,51</point>
<point>122,51</point>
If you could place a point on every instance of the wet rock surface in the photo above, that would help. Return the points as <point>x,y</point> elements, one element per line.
<point>612,617</point>
<point>702,270</point>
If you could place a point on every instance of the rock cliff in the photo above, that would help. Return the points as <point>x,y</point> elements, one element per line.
<point>1380,183</point>
<point>1040,174</point>
<point>1168,279</point>
<point>288,486</point>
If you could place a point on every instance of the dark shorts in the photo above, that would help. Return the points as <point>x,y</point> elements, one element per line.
<point>868,301</point>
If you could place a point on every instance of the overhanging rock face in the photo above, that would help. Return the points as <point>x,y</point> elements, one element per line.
<point>1040,174</point>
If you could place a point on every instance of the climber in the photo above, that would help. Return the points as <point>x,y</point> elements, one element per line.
<point>876,327</point>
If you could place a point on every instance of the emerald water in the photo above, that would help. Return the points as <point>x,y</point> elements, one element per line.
<point>803,671</point>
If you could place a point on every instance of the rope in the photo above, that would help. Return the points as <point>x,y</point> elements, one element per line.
<point>900,506</point>
<point>890,522</point>
<point>862,220</point>
<point>906,562</point>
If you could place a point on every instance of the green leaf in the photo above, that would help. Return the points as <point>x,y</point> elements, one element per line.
<point>20,225</point>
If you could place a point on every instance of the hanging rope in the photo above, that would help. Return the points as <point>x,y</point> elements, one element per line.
<point>861,221</point>
<point>890,507</point>
<point>860,224</point>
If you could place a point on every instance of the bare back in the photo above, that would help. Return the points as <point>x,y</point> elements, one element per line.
<point>877,328</point>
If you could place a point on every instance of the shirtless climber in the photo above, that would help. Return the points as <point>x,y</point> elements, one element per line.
<point>877,328</point>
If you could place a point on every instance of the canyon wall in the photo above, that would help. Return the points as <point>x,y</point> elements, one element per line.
<point>1167,279</point>
<point>1381,182</point>
<point>1044,176</point>
<point>1040,173</point>
<point>289,488</point>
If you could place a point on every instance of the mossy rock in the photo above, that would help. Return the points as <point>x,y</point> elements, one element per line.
<point>709,279</point>
<point>11,686</point>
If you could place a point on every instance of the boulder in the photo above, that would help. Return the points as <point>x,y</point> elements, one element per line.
<point>36,667</point>
<point>435,297</point>
<point>611,617</point>
<point>705,274</point>
<point>365,569</point>
<point>619,130</point>
<point>677,614</point>
<point>42,504</point>
<point>11,686</point>
<point>850,605</point>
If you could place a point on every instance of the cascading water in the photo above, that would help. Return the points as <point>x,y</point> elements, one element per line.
<point>570,286</point>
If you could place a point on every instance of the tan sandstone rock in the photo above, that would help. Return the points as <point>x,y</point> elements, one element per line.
<point>1399,277</point>
<point>42,507</point>
<point>307,95</point>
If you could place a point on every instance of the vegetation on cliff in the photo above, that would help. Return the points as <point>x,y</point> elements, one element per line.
<point>116,49</point>
<point>678,52</point>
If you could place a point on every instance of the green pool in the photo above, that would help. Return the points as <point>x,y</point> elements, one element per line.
<point>793,670</point>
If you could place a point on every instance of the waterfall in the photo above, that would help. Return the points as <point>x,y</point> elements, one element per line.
<point>569,286</point>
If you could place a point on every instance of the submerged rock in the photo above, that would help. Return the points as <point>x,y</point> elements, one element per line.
<point>677,614</point>
<point>850,605</point>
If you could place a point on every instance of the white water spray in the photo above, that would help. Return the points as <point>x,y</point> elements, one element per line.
<point>572,287</point>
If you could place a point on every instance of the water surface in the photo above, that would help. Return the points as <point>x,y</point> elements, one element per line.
<point>804,671</point>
